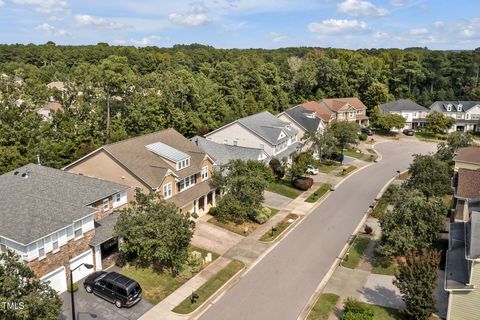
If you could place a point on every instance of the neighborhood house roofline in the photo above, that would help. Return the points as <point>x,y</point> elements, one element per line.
<point>298,123</point>
<point>114,158</point>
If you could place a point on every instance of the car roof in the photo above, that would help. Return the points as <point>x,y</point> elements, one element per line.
<point>119,279</point>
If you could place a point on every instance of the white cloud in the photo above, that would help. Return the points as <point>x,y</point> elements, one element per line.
<point>85,20</point>
<point>380,35</point>
<point>360,8</point>
<point>277,37</point>
<point>418,31</point>
<point>337,26</point>
<point>45,6</point>
<point>195,16</point>
<point>146,41</point>
<point>398,3</point>
<point>234,26</point>
<point>2,3</point>
<point>51,30</point>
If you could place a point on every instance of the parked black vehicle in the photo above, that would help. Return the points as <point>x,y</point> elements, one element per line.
<point>367,131</point>
<point>114,287</point>
<point>408,132</point>
<point>335,157</point>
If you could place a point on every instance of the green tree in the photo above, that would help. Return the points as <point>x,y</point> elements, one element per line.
<point>413,223</point>
<point>429,175</point>
<point>244,183</point>
<point>18,285</point>
<point>417,281</point>
<point>345,132</point>
<point>321,144</point>
<point>437,122</point>
<point>455,140</point>
<point>300,164</point>
<point>154,233</point>
<point>376,95</point>
<point>389,121</point>
<point>277,168</point>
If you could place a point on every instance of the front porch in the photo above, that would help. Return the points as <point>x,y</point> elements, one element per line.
<point>198,199</point>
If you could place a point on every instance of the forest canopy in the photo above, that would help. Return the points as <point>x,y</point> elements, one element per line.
<point>196,88</point>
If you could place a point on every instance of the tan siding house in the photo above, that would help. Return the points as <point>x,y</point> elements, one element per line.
<point>465,305</point>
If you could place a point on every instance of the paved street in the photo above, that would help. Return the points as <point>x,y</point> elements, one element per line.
<point>282,282</point>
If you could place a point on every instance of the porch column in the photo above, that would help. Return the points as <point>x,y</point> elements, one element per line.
<point>196,206</point>
<point>98,258</point>
<point>214,195</point>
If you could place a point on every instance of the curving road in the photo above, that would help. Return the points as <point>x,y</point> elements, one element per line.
<point>279,286</point>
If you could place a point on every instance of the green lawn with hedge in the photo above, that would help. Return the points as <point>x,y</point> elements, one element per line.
<point>324,188</point>
<point>323,307</point>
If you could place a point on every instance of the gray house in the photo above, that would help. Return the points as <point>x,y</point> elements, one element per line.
<point>415,115</point>
<point>223,153</point>
<point>466,114</point>
<point>263,131</point>
<point>303,120</point>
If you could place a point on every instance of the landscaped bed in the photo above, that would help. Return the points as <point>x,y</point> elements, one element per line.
<point>279,228</point>
<point>327,168</point>
<point>210,287</point>
<point>158,285</point>
<point>353,154</point>
<point>384,313</point>
<point>319,192</point>
<point>346,171</point>
<point>385,265</point>
<point>284,188</point>
<point>323,307</point>
<point>242,229</point>
<point>355,253</point>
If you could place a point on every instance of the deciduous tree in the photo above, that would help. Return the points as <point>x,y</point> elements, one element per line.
<point>430,175</point>
<point>437,122</point>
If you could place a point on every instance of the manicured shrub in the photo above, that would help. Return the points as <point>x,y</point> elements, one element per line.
<point>261,218</point>
<point>277,168</point>
<point>213,211</point>
<point>362,137</point>
<point>303,183</point>
<point>356,310</point>
<point>368,229</point>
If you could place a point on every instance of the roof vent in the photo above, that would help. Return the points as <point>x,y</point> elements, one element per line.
<point>25,175</point>
<point>16,173</point>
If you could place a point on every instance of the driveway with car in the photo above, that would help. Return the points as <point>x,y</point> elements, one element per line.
<point>89,306</point>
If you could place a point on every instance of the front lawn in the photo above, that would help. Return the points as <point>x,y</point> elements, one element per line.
<point>385,265</point>
<point>384,313</point>
<point>243,229</point>
<point>158,285</point>
<point>284,188</point>
<point>210,287</point>
<point>355,253</point>
<point>323,307</point>
<point>326,168</point>
<point>346,171</point>
<point>353,154</point>
<point>319,192</point>
<point>279,228</point>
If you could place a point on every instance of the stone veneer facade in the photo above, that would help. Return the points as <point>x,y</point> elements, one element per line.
<point>68,251</point>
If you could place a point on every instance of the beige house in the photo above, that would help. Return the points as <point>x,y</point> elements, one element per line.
<point>164,162</point>
<point>347,109</point>
<point>467,158</point>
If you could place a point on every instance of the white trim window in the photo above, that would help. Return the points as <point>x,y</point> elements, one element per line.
<point>77,229</point>
<point>167,190</point>
<point>183,164</point>
<point>3,246</point>
<point>186,183</point>
<point>41,249</point>
<point>106,204</point>
<point>204,173</point>
<point>55,242</point>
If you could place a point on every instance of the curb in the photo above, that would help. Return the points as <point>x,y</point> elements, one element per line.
<point>281,235</point>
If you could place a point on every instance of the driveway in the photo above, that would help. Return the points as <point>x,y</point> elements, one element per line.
<point>89,306</point>
<point>279,285</point>
<point>275,200</point>
<point>210,237</point>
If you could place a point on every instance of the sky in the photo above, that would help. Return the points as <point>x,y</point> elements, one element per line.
<point>352,24</point>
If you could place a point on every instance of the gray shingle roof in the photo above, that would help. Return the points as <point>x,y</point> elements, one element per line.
<point>300,115</point>
<point>104,229</point>
<point>401,105</point>
<point>441,106</point>
<point>474,246</point>
<point>46,201</point>
<point>267,126</point>
<point>223,153</point>
<point>456,269</point>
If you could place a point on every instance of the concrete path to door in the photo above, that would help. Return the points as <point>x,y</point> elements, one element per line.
<point>275,200</point>
<point>210,237</point>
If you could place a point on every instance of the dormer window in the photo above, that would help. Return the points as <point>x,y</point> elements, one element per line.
<point>459,107</point>
<point>449,107</point>
<point>183,164</point>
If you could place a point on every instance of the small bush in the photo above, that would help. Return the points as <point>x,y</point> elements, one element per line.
<point>75,287</point>
<point>303,183</point>
<point>213,211</point>
<point>362,137</point>
<point>261,218</point>
<point>277,168</point>
<point>356,310</point>
<point>266,211</point>
<point>368,229</point>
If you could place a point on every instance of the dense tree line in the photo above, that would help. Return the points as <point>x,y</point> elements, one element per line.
<point>114,92</point>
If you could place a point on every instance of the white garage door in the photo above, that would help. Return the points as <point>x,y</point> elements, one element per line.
<point>82,272</point>
<point>56,279</point>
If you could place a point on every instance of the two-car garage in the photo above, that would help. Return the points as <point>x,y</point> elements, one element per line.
<point>58,278</point>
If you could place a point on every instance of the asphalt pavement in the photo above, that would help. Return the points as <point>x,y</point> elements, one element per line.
<point>279,286</point>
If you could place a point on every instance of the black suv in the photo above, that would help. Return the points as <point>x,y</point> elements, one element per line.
<point>114,287</point>
<point>408,132</point>
<point>367,131</point>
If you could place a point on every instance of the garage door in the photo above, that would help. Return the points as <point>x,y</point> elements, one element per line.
<point>56,279</point>
<point>82,272</point>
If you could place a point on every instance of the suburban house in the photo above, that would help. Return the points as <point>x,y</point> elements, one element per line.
<point>467,158</point>
<point>465,113</point>
<point>264,131</point>
<point>348,109</point>
<point>303,120</point>
<point>466,193</point>
<point>224,153</point>
<point>46,111</point>
<point>415,115</point>
<point>321,111</point>
<point>163,162</point>
<point>50,218</point>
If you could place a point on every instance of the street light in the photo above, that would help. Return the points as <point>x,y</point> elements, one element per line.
<point>88,266</point>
